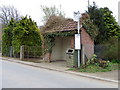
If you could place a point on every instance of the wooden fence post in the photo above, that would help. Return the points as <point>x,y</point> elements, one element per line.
<point>22,52</point>
<point>11,51</point>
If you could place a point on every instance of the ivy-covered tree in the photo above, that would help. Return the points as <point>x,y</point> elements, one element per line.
<point>26,33</point>
<point>103,18</point>
<point>7,37</point>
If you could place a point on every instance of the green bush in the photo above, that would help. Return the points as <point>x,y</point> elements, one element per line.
<point>97,65</point>
<point>112,50</point>
<point>92,68</point>
<point>105,21</point>
<point>97,61</point>
<point>26,33</point>
<point>32,51</point>
<point>23,32</point>
<point>7,38</point>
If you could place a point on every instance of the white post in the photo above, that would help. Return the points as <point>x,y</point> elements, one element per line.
<point>77,16</point>
<point>78,49</point>
<point>78,26</point>
<point>78,58</point>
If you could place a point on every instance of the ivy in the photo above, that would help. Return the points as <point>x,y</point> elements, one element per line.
<point>50,39</point>
<point>91,29</point>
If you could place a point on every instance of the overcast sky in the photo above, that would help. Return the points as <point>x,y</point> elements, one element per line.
<point>32,7</point>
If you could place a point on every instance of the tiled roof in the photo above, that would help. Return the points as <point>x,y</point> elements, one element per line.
<point>66,24</point>
<point>69,25</point>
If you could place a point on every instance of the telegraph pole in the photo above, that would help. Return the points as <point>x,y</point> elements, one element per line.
<point>88,5</point>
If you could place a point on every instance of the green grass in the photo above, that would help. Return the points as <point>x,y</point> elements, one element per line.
<point>95,68</point>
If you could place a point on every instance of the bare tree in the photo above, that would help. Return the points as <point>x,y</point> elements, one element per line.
<point>8,12</point>
<point>51,11</point>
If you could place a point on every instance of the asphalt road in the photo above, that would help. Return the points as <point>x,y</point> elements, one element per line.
<point>16,75</point>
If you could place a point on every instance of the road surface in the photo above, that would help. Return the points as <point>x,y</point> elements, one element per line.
<point>16,75</point>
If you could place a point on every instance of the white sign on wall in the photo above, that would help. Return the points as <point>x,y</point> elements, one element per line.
<point>77,41</point>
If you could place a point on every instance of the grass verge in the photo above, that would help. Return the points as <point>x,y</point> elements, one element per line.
<point>95,68</point>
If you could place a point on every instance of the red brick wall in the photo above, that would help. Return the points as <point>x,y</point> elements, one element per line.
<point>47,57</point>
<point>72,45</point>
<point>87,43</point>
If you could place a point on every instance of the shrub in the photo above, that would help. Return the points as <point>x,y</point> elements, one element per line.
<point>112,50</point>
<point>32,51</point>
<point>7,38</point>
<point>26,33</point>
<point>23,32</point>
<point>97,61</point>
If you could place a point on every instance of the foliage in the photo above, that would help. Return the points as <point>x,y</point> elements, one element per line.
<point>94,68</point>
<point>49,42</point>
<point>112,50</point>
<point>7,37</point>
<point>24,32</point>
<point>51,11</point>
<point>32,51</point>
<point>92,60</point>
<point>112,27</point>
<point>91,29</point>
<point>54,21</point>
<point>109,31</point>
<point>103,18</point>
<point>97,61</point>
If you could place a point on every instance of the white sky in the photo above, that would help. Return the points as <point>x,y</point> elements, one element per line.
<point>32,7</point>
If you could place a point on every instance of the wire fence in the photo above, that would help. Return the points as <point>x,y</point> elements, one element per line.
<point>100,51</point>
<point>9,52</point>
<point>25,52</point>
<point>106,52</point>
<point>31,51</point>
